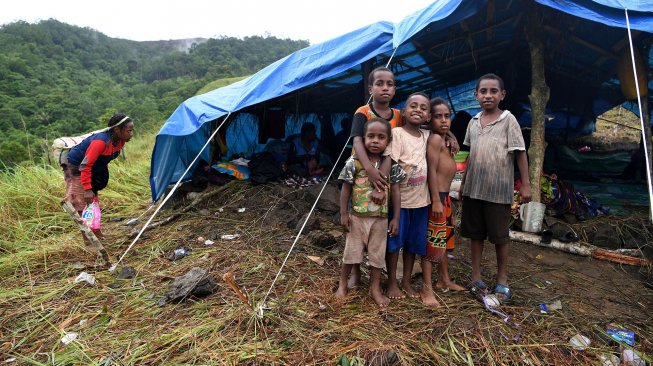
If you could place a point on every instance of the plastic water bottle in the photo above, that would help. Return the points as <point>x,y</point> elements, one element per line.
<point>92,215</point>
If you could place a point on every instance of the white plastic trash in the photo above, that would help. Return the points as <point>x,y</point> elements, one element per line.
<point>609,360</point>
<point>68,338</point>
<point>229,236</point>
<point>631,358</point>
<point>85,277</point>
<point>532,215</point>
<point>492,300</point>
<point>579,342</point>
<point>556,305</point>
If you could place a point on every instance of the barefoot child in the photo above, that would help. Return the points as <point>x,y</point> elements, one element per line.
<point>367,224</point>
<point>382,89</point>
<point>442,168</point>
<point>408,149</point>
<point>495,142</point>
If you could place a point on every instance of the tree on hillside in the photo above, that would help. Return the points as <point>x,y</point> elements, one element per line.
<point>58,80</point>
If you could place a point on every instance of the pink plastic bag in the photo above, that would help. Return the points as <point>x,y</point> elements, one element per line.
<point>92,215</point>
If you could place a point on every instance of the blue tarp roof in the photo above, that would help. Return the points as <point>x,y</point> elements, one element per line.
<point>439,50</point>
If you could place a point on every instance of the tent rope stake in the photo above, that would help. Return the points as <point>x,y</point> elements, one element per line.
<point>172,191</point>
<point>261,306</point>
<point>641,114</point>
<point>310,212</point>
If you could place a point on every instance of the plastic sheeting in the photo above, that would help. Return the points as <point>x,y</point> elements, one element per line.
<point>330,63</point>
<point>177,143</point>
<point>608,12</point>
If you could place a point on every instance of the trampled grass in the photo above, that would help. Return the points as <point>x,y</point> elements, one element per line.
<point>118,322</point>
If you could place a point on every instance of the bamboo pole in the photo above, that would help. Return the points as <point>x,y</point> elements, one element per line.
<point>202,197</point>
<point>574,248</point>
<point>619,258</point>
<point>88,233</point>
<point>622,256</point>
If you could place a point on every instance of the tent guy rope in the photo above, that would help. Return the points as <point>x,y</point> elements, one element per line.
<point>641,115</point>
<point>172,191</point>
<point>261,305</point>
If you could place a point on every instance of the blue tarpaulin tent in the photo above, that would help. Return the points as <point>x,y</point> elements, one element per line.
<point>439,50</point>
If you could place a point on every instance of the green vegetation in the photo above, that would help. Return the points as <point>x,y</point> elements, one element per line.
<point>61,80</point>
<point>219,84</point>
<point>30,199</point>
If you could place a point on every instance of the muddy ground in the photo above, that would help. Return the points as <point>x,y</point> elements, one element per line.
<point>591,291</point>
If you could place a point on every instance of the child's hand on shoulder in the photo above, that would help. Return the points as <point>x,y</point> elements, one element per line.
<point>437,208</point>
<point>452,144</point>
<point>345,221</point>
<point>393,226</point>
<point>378,180</point>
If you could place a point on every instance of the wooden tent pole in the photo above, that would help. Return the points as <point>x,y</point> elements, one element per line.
<point>538,97</point>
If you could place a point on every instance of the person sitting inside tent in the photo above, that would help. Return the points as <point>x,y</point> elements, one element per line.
<point>342,138</point>
<point>304,153</point>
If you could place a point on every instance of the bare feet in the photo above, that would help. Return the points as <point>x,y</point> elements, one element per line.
<point>394,292</point>
<point>408,289</point>
<point>342,291</point>
<point>450,285</point>
<point>428,297</point>
<point>379,298</point>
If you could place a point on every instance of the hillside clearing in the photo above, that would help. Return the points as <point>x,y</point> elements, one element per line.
<point>119,322</point>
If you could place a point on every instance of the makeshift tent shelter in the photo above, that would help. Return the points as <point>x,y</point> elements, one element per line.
<point>440,50</point>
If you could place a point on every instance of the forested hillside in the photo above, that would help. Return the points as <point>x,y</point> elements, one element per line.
<point>57,79</point>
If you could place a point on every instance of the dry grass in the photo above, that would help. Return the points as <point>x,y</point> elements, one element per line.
<point>119,322</point>
<point>302,323</point>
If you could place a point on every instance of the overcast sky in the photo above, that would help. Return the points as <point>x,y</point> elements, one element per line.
<point>138,20</point>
